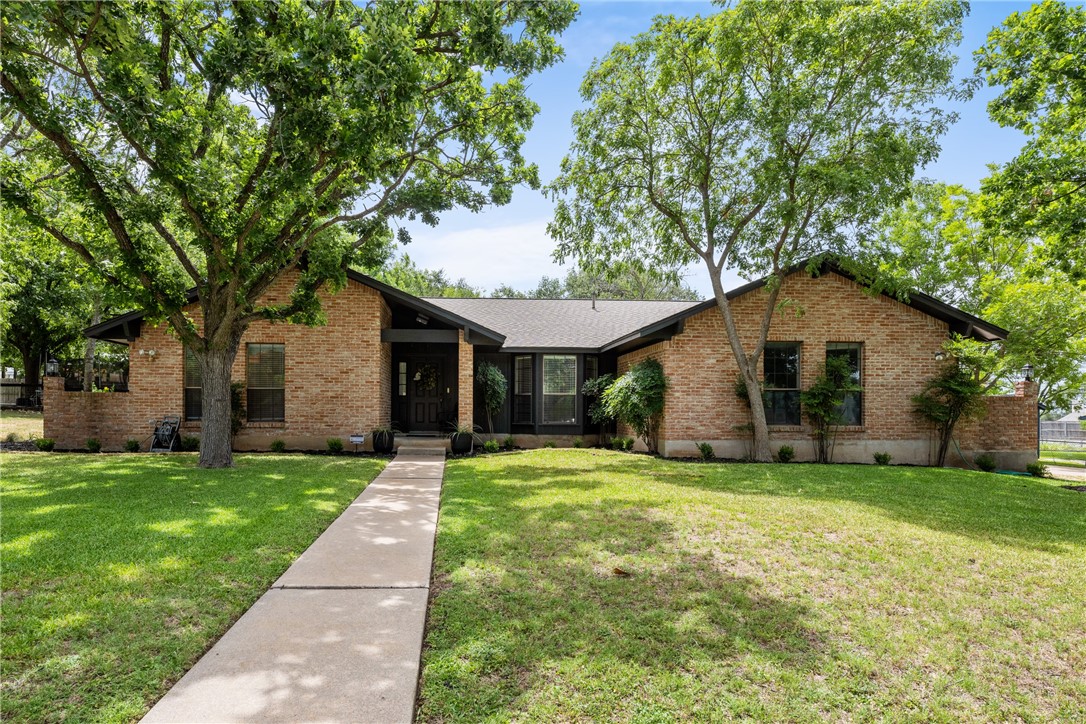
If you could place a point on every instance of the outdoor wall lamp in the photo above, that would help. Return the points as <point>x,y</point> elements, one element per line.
<point>940,356</point>
<point>52,368</point>
<point>1027,372</point>
<point>148,352</point>
<point>422,318</point>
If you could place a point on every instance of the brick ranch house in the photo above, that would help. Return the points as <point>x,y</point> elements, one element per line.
<point>386,357</point>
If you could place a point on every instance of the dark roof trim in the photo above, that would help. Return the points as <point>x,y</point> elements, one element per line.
<point>118,329</point>
<point>960,322</point>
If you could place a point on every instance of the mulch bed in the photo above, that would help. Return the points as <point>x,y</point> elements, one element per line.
<point>1076,488</point>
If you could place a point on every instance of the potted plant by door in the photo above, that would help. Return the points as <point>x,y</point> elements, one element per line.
<point>384,439</point>
<point>461,438</point>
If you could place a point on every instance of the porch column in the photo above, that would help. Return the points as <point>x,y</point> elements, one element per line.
<point>465,412</point>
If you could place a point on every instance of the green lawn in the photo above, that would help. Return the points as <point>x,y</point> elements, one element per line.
<point>1052,454</point>
<point>774,592</point>
<point>119,571</point>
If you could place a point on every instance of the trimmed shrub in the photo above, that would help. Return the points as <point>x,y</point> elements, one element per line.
<point>883,458</point>
<point>94,445</point>
<point>132,446</point>
<point>335,445</point>
<point>1037,469</point>
<point>985,462</point>
<point>706,451</point>
<point>190,443</point>
<point>278,446</point>
<point>509,442</point>
<point>622,443</point>
<point>637,400</point>
<point>45,444</point>
<point>550,443</point>
<point>491,446</point>
<point>11,437</point>
<point>578,443</point>
<point>786,454</point>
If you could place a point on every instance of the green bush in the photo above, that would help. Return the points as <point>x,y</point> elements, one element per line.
<point>190,443</point>
<point>822,404</point>
<point>953,394</point>
<point>883,458</point>
<point>45,444</point>
<point>509,442</point>
<point>985,462</point>
<point>493,388</point>
<point>335,445</point>
<point>593,390</point>
<point>132,446</point>
<point>550,443</point>
<point>622,443</point>
<point>94,445</point>
<point>278,446</point>
<point>706,451</point>
<point>11,437</point>
<point>1037,469</point>
<point>578,443</point>
<point>786,454</point>
<point>491,446</point>
<point>637,400</point>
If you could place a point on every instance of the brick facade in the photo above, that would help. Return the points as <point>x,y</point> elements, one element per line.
<point>338,380</point>
<point>465,379</point>
<point>898,356</point>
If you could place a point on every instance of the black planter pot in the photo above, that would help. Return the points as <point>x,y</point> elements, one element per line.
<point>461,442</point>
<point>383,442</point>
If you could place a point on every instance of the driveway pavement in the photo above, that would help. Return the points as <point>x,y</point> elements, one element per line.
<point>338,638</point>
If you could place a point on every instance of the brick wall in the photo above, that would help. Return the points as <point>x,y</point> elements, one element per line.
<point>1007,431</point>
<point>338,380</point>
<point>899,346</point>
<point>465,382</point>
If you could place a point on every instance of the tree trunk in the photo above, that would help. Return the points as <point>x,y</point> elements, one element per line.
<point>31,370</point>
<point>88,354</point>
<point>216,438</point>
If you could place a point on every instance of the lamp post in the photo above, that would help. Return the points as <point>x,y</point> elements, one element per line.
<point>52,368</point>
<point>1027,372</point>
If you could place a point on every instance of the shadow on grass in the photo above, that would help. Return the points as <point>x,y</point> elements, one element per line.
<point>527,592</point>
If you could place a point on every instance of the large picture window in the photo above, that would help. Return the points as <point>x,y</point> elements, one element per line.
<point>852,408</point>
<point>522,390</point>
<point>194,408</point>
<point>264,378</point>
<point>559,389</point>
<point>780,366</point>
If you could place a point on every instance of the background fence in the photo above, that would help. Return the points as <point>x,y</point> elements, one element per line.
<point>1068,433</point>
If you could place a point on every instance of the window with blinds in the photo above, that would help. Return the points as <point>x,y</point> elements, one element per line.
<point>522,389</point>
<point>559,389</point>
<point>194,408</point>
<point>265,373</point>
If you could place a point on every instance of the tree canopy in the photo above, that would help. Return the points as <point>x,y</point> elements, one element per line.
<point>753,139</point>
<point>1038,59</point>
<point>221,145</point>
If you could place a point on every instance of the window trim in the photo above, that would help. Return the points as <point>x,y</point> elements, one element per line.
<point>798,346</point>
<point>529,379</point>
<point>860,403</point>
<point>187,354</point>
<point>572,395</point>
<point>249,387</point>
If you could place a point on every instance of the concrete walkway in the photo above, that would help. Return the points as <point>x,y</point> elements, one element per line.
<point>338,637</point>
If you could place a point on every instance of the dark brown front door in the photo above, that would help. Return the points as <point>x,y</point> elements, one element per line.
<point>426,380</point>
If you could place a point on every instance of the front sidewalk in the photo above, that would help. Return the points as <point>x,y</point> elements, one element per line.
<point>339,635</point>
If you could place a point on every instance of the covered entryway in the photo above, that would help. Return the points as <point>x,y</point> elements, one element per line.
<point>425,394</point>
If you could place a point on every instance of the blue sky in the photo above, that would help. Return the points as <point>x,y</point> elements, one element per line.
<point>509,244</point>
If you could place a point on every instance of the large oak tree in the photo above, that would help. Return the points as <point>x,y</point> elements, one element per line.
<point>223,144</point>
<point>754,139</point>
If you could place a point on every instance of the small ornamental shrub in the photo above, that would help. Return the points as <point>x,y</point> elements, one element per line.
<point>1037,469</point>
<point>593,390</point>
<point>549,443</point>
<point>883,458</point>
<point>11,437</point>
<point>822,404</point>
<point>190,443</point>
<point>132,446</point>
<point>335,445</point>
<point>45,444</point>
<point>578,443</point>
<point>786,454</point>
<point>985,462</point>
<point>706,451</point>
<point>622,443</point>
<point>94,445</point>
<point>491,446</point>
<point>636,399</point>
<point>494,387</point>
<point>278,446</point>
<point>952,395</point>
<point>509,442</point>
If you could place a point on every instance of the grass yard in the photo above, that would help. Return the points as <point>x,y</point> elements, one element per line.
<point>119,571</point>
<point>16,425</point>
<point>1050,454</point>
<point>774,592</point>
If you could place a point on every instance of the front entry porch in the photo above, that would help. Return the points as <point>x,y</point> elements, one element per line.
<point>425,393</point>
